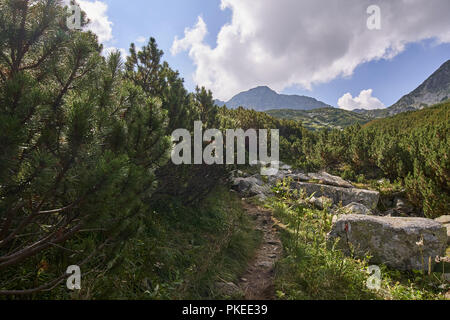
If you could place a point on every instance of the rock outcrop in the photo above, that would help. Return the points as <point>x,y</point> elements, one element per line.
<point>401,243</point>
<point>325,185</point>
<point>328,179</point>
<point>340,195</point>
<point>251,187</point>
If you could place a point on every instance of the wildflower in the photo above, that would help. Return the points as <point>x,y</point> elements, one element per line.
<point>420,243</point>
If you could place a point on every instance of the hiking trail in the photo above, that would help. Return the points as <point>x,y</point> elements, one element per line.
<point>257,283</point>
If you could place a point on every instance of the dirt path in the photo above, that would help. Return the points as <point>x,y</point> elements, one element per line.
<point>258,281</point>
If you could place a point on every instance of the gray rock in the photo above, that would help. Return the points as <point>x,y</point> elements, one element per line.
<point>328,179</point>
<point>321,202</point>
<point>298,176</point>
<point>252,186</point>
<point>403,206</point>
<point>395,242</point>
<point>443,219</point>
<point>273,180</point>
<point>357,208</point>
<point>393,212</point>
<point>337,195</point>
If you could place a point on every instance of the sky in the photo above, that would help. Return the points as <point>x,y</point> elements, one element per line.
<point>344,53</point>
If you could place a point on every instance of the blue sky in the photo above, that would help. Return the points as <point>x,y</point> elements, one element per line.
<point>389,78</point>
<point>164,20</point>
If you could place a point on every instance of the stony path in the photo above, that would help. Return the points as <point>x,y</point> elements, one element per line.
<point>258,281</point>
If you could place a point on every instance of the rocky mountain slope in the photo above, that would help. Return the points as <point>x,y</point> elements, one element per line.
<point>263,98</point>
<point>434,90</point>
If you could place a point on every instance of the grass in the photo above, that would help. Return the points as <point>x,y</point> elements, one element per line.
<point>196,248</point>
<point>179,253</point>
<point>311,269</point>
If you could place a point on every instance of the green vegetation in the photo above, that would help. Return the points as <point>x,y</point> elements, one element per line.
<point>321,118</point>
<point>180,253</point>
<point>313,269</point>
<point>84,144</point>
<point>411,148</point>
<point>85,178</point>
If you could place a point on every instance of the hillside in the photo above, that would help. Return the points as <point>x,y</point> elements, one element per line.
<point>321,118</point>
<point>264,98</point>
<point>411,147</point>
<point>406,121</point>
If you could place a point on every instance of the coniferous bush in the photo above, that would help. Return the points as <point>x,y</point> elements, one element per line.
<point>79,145</point>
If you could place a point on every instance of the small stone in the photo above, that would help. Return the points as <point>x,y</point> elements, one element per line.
<point>265,264</point>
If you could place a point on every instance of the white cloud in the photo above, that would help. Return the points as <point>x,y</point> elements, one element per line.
<point>100,24</point>
<point>99,21</point>
<point>107,50</point>
<point>96,12</point>
<point>192,37</point>
<point>290,42</point>
<point>363,101</point>
<point>141,39</point>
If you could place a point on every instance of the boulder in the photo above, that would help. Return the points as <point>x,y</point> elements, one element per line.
<point>251,186</point>
<point>357,208</point>
<point>273,179</point>
<point>328,179</point>
<point>404,206</point>
<point>337,194</point>
<point>321,202</point>
<point>400,243</point>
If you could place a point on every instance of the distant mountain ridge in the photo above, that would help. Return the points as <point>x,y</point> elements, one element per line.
<point>433,90</point>
<point>263,98</point>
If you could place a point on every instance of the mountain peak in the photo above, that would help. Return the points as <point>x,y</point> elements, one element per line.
<point>433,90</point>
<point>263,98</point>
<point>262,89</point>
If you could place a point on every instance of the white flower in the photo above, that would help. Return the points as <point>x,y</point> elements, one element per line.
<point>420,243</point>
